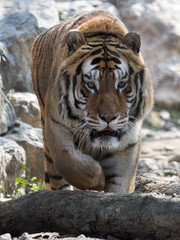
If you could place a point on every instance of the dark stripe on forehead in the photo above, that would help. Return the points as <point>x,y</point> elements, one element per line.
<point>113,53</point>
<point>116,60</point>
<point>95,45</point>
<point>96,60</point>
<point>120,47</point>
<point>96,52</point>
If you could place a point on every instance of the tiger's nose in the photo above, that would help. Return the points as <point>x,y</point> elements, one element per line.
<point>107,117</point>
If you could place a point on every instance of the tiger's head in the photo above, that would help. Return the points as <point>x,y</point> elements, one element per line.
<point>106,87</point>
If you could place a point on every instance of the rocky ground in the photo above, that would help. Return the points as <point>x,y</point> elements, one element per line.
<point>160,152</point>
<point>47,235</point>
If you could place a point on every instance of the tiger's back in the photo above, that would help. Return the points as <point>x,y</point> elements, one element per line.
<point>62,79</point>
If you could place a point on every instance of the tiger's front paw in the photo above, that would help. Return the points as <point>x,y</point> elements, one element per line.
<point>96,177</point>
<point>82,171</point>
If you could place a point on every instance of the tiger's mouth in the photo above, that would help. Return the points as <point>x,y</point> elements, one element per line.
<point>105,133</point>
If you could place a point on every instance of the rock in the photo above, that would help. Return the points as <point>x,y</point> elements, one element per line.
<point>165,115</point>
<point>5,236</point>
<point>12,156</point>
<point>176,158</point>
<point>25,236</point>
<point>44,11</point>
<point>26,107</point>
<point>148,164</point>
<point>7,113</point>
<point>67,9</point>
<point>158,24</point>
<point>17,34</point>
<point>31,140</point>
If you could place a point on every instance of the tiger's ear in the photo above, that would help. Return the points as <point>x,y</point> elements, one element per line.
<point>75,39</point>
<point>132,40</point>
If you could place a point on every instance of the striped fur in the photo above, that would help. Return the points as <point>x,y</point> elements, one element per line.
<point>93,90</point>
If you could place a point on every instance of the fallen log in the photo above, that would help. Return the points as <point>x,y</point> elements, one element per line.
<point>142,216</point>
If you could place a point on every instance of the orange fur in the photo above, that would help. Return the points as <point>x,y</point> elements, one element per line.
<point>77,95</point>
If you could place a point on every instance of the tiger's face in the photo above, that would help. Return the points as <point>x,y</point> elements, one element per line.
<point>103,93</point>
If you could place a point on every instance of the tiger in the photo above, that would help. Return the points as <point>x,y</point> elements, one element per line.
<point>94,91</point>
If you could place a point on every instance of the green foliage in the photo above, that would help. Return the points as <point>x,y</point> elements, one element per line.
<point>61,18</point>
<point>1,189</point>
<point>28,184</point>
<point>155,120</point>
<point>170,173</point>
<point>23,185</point>
<point>12,99</point>
<point>174,113</point>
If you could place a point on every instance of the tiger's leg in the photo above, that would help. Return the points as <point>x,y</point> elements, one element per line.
<point>53,180</point>
<point>120,169</point>
<point>76,168</point>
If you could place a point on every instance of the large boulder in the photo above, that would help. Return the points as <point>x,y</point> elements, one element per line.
<point>12,156</point>
<point>157,22</point>
<point>16,36</point>
<point>31,140</point>
<point>26,107</point>
<point>44,11</point>
<point>7,113</point>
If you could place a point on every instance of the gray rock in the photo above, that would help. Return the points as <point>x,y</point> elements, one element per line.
<point>165,115</point>
<point>6,236</point>
<point>7,113</point>
<point>44,11</point>
<point>26,107</point>
<point>31,140</point>
<point>17,34</point>
<point>148,164</point>
<point>175,158</point>
<point>158,24</point>
<point>25,236</point>
<point>12,156</point>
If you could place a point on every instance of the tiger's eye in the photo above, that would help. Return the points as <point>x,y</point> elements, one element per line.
<point>91,85</point>
<point>122,85</point>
